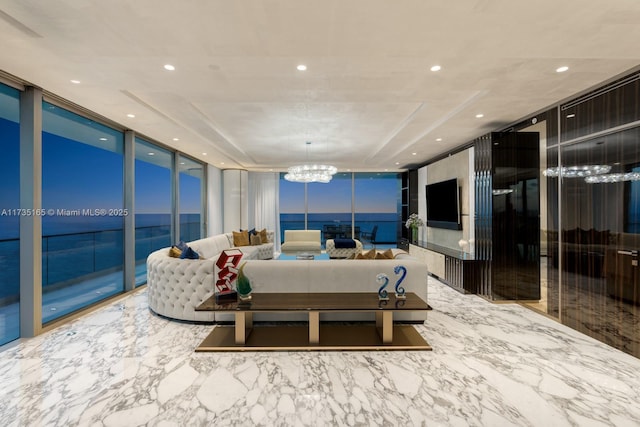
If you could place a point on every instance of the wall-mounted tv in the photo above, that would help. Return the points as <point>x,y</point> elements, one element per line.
<point>443,205</point>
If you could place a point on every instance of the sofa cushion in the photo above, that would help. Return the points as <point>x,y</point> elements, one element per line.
<point>263,235</point>
<point>241,238</point>
<point>255,239</point>
<point>210,246</point>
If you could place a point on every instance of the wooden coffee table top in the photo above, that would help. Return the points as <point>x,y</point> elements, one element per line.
<point>338,301</point>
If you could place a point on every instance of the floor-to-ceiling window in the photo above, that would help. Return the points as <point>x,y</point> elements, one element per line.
<point>329,208</point>
<point>152,202</point>
<point>9,214</point>
<point>373,199</point>
<point>82,186</point>
<point>377,204</point>
<point>191,176</point>
<point>292,206</point>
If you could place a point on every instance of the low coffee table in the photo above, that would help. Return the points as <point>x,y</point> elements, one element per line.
<point>383,334</point>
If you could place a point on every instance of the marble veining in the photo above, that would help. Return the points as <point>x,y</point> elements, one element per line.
<point>491,365</point>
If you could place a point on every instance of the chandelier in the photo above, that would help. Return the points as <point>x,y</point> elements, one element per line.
<point>311,173</point>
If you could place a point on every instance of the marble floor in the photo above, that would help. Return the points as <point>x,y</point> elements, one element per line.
<point>492,365</point>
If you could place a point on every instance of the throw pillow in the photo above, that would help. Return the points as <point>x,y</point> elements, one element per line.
<point>370,254</point>
<point>361,256</point>
<point>174,252</point>
<point>189,254</point>
<point>263,235</point>
<point>388,254</point>
<point>255,239</point>
<point>241,238</point>
<point>181,245</point>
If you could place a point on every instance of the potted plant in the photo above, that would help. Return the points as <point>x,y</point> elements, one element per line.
<point>413,222</point>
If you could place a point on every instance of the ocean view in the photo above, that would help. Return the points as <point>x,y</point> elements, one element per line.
<point>77,247</point>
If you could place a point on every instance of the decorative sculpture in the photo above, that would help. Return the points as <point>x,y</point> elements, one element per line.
<point>227,264</point>
<point>400,292</point>
<point>243,285</point>
<point>382,279</point>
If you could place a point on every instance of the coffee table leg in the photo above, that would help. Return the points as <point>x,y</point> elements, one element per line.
<point>244,324</point>
<point>314,327</point>
<point>384,324</point>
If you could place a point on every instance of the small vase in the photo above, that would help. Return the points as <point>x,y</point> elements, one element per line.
<point>414,235</point>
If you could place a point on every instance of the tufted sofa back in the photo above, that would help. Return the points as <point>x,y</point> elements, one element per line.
<point>210,246</point>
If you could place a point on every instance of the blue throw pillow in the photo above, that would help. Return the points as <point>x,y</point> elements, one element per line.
<point>182,246</point>
<point>189,254</point>
<point>344,243</point>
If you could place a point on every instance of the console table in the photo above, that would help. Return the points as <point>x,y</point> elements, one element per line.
<point>381,335</point>
<point>460,270</point>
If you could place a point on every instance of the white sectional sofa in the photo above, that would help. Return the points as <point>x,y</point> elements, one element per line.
<point>177,286</point>
<point>333,275</point>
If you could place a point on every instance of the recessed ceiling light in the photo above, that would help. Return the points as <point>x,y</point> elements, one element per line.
<point>103,139</point>
<point>204,154</point>
<point>301,67</point>
<point>75,82</point>
<point>570,116</point>
<point>169,67</point>
<point>562,69</point>
<point>479,116</point>
<point>386,170</point>
<point>436,68</point>
<point>152,154</point>
<point>438,139</point>
<point>182,163</point>
<point>397,163</point>
<point>176,139</point>
<point>131,115</point>
<point>413,154</point>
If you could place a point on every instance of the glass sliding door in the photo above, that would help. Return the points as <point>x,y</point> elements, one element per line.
<point>191,188</point>
<point>377,207</point>
<point>329,208</point>
<point>9,214</point>
<point>373,199</point>
<point>82,188</point>
<point>292,206</point>
<point>153,202</point>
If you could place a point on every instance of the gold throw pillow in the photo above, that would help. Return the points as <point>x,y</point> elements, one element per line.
<point>241,238</point>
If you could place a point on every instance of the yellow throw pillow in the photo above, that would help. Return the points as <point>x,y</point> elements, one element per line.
<point>255,239</point>
<point>381,255</point>
<point>241,238</point>
<point>388,254</point>
<point>263,235</point>
<point>360,256</point>
<point>175,252</point>
<point>371,254</point>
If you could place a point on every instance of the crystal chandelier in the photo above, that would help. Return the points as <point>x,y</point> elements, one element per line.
<point>310,172</point>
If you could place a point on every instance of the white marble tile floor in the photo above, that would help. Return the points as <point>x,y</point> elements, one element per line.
<point>492,365</point>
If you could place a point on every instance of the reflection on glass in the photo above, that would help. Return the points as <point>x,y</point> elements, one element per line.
<point>191,174</point>
<point>82,187</point>
<point>153,203</point>
<point>600,242</point>
<point>9,224</point>
<point>377,207</point>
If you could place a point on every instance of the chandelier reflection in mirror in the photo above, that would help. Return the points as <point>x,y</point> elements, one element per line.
<point>613,177</point>
<point>311,173</point>
<point>576,171</point>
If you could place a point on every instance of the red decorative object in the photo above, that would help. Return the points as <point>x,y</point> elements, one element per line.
<point>227,264</point>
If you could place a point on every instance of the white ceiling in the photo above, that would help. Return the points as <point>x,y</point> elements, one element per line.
<point>368,99</point>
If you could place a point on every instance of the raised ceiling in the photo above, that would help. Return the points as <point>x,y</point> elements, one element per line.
<point>368,99</point>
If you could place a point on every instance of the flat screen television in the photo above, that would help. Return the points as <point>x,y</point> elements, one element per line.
<point>443,205</point>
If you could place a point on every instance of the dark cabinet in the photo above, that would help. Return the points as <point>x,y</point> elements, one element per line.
<point>622,275</point>
<point>507,225</point>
